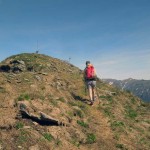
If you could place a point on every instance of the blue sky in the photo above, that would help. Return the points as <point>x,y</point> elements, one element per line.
<point>113,34</point>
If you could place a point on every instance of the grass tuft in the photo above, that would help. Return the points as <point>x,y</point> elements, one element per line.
<point>48,136</point>
<point>82,123</point>
<point>91,138</point>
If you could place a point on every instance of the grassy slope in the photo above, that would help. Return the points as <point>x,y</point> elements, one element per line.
<point>119,121</point>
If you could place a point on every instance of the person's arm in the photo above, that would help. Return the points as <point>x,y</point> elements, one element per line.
<point>95,74</point>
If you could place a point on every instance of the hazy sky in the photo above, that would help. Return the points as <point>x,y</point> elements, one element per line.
<point>113,34</point>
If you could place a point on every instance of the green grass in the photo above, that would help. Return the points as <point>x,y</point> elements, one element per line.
<point>131,113</point>
<point>108,98</point>
<point>78,113</point>
<point>61,99</point>
<point>23,137</point>
<point>48,137</point>
<point>133,100</point>
<point>91,138</point>
<point>23,97</point>
<point>107,111</point>
<point>54,102</point>
<point>2,90</point>
<point>143,141</point>
<point>75,143</point>
<point>19,125</point>
<point>117,123</point>
<point>102,96</point>
<point>82,123</point>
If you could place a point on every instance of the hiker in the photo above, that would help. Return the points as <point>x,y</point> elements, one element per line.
<point>90,81</point>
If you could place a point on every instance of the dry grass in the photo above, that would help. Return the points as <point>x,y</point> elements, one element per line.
<point>112,123</point>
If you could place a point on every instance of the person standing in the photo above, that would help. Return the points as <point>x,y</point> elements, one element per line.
<point>90,81</point>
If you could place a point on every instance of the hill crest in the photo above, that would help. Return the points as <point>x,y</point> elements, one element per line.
<point>53,89</point>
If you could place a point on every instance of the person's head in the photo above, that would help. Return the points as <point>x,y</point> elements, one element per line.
<point>87,63</point>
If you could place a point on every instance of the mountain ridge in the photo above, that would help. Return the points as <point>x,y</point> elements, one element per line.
<point>44,105</point>
<point>139,88</point>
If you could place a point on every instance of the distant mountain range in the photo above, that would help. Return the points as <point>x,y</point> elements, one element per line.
<point>140,88</point>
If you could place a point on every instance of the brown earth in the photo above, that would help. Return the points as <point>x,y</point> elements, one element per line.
<point>118,120</point>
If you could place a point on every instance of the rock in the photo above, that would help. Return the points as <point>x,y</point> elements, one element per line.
<point>76,108</point>
<point>5,68</point>
<point>113,93</point>
<point>1,147</point>
<point>18,66</point>
<point>48,118</point>
<point>20,147</point>
<point>11,75</point>
<point>35,123</point>
<point>17,62</point>
<point>21,62</point>
<point>26,127</point>
<point>43,73</point>
<point>58,83</point>
<point>8,81</point>
<point>38,78</point>
<point>18,81</point>
<point>30,68</point>
<point>43,119</point>
<point>70,70</point>
<point>35,147</point>
<point>26,79</point>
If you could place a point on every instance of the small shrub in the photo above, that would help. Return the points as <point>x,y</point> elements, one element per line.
<point>109,98</point>
<point>83,124</point>
<point>131,113</point>
<point>91,138</point>
<point>27,97</point>
<point>120,146</point>
<point>107,111</point>
<point>19,125</point>
<point>23,97</point>
<point>48,136</point>
<point>78,113</point>
<point>54,102</point>
<point>132,100</point>
<point>116,124</point>
<point>75,143</point>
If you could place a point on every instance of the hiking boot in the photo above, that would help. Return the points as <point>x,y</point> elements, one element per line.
<point>91,103</point>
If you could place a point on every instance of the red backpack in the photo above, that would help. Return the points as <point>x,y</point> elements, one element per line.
<point>90,72</point>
